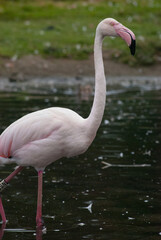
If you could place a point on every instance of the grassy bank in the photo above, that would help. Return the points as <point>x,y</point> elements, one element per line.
<point>66,28</point>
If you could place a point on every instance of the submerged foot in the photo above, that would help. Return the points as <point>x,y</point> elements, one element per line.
<point>2,212</point>
<point>40,228</point>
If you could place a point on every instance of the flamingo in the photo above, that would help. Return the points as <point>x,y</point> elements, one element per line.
<point>42,137</point>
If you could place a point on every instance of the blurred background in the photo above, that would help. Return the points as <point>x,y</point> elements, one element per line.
<point>66,29</point>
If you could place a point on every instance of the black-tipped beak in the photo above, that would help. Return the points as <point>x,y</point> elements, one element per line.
<point>132,46</point>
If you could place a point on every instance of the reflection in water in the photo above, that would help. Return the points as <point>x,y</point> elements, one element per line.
<point>82,200</point>
<point>3,226</point>
<point>107,165</point>
<point>39,232</point>
<point>85,92</point>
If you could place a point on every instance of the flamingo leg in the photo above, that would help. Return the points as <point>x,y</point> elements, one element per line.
<point>2,212</point>
<point>2,230</point>
<point>3,185</point>
<point>14,173</point>
<point>39,221</point>
<point>4,182</point>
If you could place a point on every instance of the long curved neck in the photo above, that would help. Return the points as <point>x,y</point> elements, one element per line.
<point>95,117</point>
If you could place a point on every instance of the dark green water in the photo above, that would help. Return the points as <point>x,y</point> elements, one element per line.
<point>125,201</point>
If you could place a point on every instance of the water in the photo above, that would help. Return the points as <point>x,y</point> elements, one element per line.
<point>82,197</point>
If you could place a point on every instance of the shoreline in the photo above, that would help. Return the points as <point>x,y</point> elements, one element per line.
<point>84,85</point>
<point>29,67</point>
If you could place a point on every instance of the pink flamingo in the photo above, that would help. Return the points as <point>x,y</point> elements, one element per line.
<point>44,136</point>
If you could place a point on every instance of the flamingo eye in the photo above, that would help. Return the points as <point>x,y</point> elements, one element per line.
<point>112,23</point>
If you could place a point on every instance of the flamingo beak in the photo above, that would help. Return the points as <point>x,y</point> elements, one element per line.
<point>127,35</point>
<point>132,46</point>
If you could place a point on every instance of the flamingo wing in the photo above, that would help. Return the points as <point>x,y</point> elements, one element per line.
<point>34,126</point>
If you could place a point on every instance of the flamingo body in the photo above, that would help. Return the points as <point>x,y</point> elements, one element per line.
<point>42,137</point>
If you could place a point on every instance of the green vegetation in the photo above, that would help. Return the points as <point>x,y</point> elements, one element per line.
<point>67,28</point>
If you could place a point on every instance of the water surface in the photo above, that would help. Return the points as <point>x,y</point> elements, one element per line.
<point>81,198</point>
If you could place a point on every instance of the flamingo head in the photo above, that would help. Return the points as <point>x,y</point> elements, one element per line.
<point>111,27</point>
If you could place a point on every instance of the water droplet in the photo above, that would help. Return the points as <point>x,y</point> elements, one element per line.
<point>131,218</point>
<point>119,102</point>
<point>147,152</point>
<point>121,154</point>
<point>81,224</point>
<point>106,122</point>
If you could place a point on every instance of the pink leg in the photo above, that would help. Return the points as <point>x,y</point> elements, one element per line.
<point>14,173</point>
<point>3,185</point>
<point>39,221</point>
<point>2,230</point>
<point>2,211</point>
